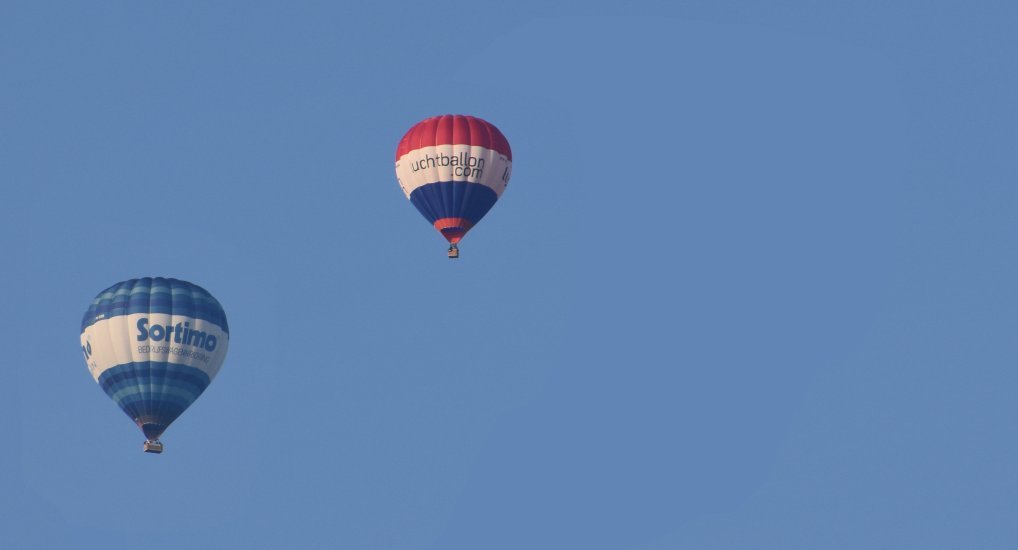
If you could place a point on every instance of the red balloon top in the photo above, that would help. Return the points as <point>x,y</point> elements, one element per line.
<point>454,130</point>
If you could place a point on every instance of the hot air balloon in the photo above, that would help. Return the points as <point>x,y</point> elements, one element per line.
<point>453,168</point>
<point>154,345</point>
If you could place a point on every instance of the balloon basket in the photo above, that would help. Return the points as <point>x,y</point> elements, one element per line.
<point>454,252</point>
<point>153,446</point>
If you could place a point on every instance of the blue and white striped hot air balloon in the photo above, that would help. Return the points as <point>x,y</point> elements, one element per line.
<point>154,345</point>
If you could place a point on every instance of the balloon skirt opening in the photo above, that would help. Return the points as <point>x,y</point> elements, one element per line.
<point>152,431</point>
<point>453,229</point>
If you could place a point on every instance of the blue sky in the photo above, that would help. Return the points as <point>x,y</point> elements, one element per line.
<point>752,284</point>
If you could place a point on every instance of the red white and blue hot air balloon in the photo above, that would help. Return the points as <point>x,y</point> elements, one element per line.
<point>453,168</point>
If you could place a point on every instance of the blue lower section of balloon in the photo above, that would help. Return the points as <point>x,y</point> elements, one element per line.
<point>453,199</point>
<point>153,392</point>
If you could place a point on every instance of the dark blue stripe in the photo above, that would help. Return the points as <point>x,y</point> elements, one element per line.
<point>160,411</point>
<point>182,374</point>
<point>188,386</point>
<point>453,199</point>
<point>155,295</point>
<point>162,390</point>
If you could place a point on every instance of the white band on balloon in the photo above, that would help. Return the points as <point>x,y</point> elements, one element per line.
<point>154,337</point>
<point>468,163</point>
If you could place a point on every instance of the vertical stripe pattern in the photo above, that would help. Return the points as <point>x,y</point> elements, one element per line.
<point>154,345</point>
<point>453,168</point>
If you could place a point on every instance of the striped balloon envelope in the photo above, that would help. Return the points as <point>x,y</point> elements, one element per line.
<point>154,345</point>
<point>453,168</point>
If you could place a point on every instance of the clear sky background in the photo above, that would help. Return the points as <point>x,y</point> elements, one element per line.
<point>752,284</point>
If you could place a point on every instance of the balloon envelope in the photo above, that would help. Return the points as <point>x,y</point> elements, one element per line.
<point>154,345</point>
<point>453,168</point>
